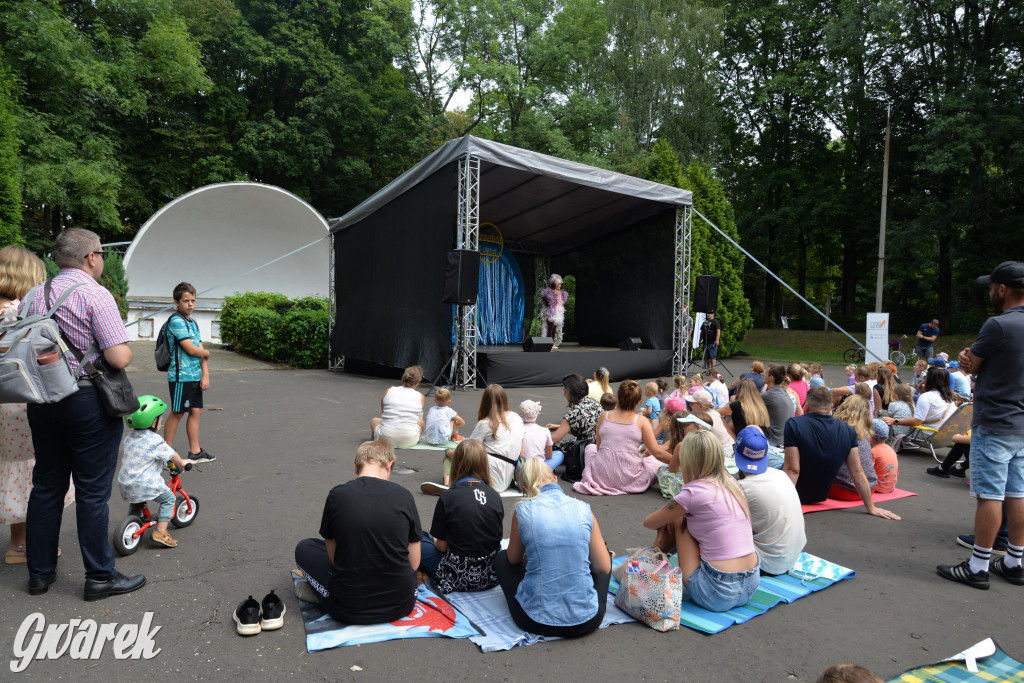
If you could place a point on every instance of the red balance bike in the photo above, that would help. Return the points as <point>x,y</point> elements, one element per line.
<point>129,532</point>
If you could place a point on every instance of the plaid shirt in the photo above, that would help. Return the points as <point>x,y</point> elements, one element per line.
<point>88,314</point>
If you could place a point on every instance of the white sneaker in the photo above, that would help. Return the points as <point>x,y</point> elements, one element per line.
<point>432,489</point>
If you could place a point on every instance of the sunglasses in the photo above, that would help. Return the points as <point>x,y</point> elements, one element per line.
<point>102,254</point>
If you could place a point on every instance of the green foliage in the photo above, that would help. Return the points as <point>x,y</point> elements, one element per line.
<point>278,329</point>
<point>10,174</point>
<point>51,267</point>
<point>114,280</point>
<point>711,254</point>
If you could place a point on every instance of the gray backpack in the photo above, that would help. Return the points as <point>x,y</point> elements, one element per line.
<point>34,364</point>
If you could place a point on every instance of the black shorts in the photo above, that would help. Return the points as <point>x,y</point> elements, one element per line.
<point>185,396</point>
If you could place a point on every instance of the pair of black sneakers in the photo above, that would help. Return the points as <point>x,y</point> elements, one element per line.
<point>251,617</point>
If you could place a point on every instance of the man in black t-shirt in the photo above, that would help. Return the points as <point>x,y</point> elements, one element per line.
<point>364,571</point>
<point>711,336</point>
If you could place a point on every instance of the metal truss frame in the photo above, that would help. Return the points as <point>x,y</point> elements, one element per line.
<point>681,290</point>
<point>464,372</point>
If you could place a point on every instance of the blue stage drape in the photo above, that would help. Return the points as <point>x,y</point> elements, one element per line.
<point>501,301</point>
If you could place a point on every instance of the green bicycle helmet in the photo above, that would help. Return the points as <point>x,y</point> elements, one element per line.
<point>150,408</point>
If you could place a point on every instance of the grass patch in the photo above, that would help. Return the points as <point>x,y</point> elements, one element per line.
<point>799,346</point>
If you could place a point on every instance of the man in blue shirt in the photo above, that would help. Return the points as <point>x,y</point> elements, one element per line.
<point>926,336</point>
<point>188,375</point>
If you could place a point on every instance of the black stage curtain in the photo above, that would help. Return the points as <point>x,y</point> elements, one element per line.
<point>624,285</point>
<point>389,271</point>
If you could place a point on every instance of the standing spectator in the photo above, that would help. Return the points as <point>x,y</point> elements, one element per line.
<point>20,271</point>
<point>711,337</point>
<point>926,336</point>
<point>188,375</point>
<point>76,435</point>
<point>997,431</point>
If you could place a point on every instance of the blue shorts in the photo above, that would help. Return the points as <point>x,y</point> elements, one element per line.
<point>713,351</point>
<point>719,591</point>
<point>997,465</point>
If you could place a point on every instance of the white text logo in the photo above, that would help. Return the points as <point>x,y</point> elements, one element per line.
<point>81,639</point>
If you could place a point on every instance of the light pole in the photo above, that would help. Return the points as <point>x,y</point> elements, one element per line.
<point>881,227</point>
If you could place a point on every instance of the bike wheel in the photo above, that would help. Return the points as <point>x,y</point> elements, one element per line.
<point>899,358</point>
<point>125,540</point>
<point>184,511</point>
<point>859,356</point>
<point>848,356</point>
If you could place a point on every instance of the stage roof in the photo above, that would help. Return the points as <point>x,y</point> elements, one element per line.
<point>538,202</point>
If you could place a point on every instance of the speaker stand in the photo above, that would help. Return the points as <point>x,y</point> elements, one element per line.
<point>448,368</point>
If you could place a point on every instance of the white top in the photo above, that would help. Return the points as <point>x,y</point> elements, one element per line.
<point>439,424</point>
<point>402,408</point>
<point>507,443</point>
<point>776,519</point>
<point>931,410</point>
<point>536,440</point>
<point>720,392</point>
<point>594,390</point>
<point>719,430</point>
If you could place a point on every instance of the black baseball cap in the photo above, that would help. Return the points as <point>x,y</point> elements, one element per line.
<point>1009,273</point>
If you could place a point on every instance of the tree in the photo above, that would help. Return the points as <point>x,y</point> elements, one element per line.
<point>10,176</point>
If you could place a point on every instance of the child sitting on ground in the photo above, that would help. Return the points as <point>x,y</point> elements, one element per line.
<point>143,454</point>
<point>851,372</point>
<point>662,389</point>
<point>718,390</point>
<point>608,402</point>
<point>442,421</point>
<point>681,385</point>
<point>884,457</point>
<point>652,408</point>
<point>920,372</point>
<point>537,439</point>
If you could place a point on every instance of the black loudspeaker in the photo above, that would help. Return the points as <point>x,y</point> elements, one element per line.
<point>631,343</point>
<point>461,277</point>
<point>533,344</point>
<point>705,294</point>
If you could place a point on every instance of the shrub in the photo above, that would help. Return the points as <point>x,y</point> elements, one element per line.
<point>237,302</point>
<point>257,331</point>
<point>114,280</point>
<point>303,337</point>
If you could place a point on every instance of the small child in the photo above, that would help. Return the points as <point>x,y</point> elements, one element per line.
<point>442,421</point>
<point>718,390</point>
<point>851,371</point>
<point>188,376</point>
<point>696,384</point>
<point>816,370</point>
<point>143,454</point>
<point>884,457</point>
<point>681,385</point>
<point>652,408</point>
<point>662,389</point>
<point>537,439</point>
<point>608,402</point>
<point>920,372</point>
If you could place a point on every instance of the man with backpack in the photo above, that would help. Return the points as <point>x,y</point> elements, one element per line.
<point>187,375</point>
<point>76,435</point>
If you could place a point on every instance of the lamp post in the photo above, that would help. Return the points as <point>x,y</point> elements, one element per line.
<point>881,227</point>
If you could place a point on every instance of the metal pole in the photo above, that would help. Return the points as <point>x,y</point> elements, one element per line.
<point>881,227</point>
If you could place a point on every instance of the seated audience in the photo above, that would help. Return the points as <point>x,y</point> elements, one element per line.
<point>884,457</point>
<point>442,421</point>
<point>401,421</point>
<point>708,523</point>
<point>952,466</point>
<point>854,412</point>
<point>652,407</point>
<point>615,466</point>
<point>466,531</point>
<point>580,420</point>
<point>702,400</point>
<point>670,476</point>
<point>748,408</point>
<point>775,514</point>
<point>718,390</point>
<point>933,406</point>
<point>756,375</point>
<point>817,445</point>
<point>797,384</point>
<point>364,569</point>
<point>901,406</point>
<point>961,383</point>
<point>562,590</point>
<point>537,439</point>
<point>776,400</point>
<point>599,386</point>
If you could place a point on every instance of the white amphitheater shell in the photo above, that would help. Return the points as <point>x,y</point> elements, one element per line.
<point>214,234</point>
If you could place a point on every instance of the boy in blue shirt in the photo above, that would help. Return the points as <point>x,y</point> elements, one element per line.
<point>188,375</point>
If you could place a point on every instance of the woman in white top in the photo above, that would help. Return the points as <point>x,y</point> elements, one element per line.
<point>401,421</point>
<point>933,406</point>
<point>599,386</point>
<point>501,432</point>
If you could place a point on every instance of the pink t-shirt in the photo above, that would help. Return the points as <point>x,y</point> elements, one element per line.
<point>535,440</point>
<point>800,387</point>
<point>886,467</point>
<point>716,520</point>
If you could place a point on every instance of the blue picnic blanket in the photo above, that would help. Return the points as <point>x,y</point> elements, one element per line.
<point>772,591</point>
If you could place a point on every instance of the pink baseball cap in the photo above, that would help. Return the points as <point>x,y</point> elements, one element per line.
<point>701,396</point>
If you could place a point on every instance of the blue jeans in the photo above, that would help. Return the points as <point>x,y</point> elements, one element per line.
<point>72,438</point>
<point>997,465</point>
<point>776,457</point>
<point>430,556</point>
<point>166,500</point>
<point>719,591</point>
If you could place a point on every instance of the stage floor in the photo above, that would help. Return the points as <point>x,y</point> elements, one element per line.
<point>511,366</point>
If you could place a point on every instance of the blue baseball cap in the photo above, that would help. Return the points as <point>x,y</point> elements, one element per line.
<point>938,361</point>
<point>751,450</point>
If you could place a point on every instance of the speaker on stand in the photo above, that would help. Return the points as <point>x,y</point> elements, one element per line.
<point>461,282</point>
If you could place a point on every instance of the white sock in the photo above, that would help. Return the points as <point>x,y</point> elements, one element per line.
<point>980,558</point>
<point>1013,556</point>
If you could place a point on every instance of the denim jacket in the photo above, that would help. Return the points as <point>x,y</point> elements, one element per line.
<point>558,589</point>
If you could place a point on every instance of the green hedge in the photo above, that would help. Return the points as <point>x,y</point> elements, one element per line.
<point>278,329</point>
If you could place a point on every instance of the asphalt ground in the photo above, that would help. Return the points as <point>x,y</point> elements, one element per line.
<point>284,438</point>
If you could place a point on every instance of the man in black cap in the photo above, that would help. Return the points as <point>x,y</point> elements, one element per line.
<point>997,431</point>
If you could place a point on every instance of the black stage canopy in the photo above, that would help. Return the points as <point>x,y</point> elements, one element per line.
<point>389,251</point>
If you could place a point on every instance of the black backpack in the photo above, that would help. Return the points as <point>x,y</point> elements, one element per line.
<point>162,353</point>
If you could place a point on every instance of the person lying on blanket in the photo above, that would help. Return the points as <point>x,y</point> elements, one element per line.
<point>708,523</point>
<point>364,568</point>
<point>816,446</point>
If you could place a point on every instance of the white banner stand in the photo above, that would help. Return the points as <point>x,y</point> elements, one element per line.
<point>877,338</point>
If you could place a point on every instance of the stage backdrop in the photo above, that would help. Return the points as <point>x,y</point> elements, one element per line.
<point>389,254</point>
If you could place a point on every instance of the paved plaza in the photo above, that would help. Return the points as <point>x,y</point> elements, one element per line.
<point>283,438</point>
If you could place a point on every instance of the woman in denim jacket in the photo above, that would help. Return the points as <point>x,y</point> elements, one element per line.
<point>556,570</point>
